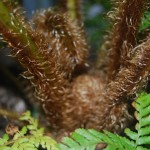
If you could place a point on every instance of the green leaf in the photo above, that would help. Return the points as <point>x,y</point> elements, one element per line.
<point>88,139</point>
<point>26,116</point>
<point>86,134</point>
<point>70,142</point>
<point>132,135</point>
<point>21,133</point>
<point>79,138</point>
<point>110,147</point>
<point>144,131</point>
<point>144,140</point>
<point>145,21</point>
<point>100,135</point>
<point>4,139</point>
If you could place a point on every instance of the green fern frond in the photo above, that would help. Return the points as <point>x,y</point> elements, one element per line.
<point>83,139</point>
<point>4,139</point>
<point>142,114</point>
<point>30,137</point>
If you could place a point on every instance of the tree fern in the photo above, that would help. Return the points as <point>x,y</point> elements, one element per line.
<point>83,139</point>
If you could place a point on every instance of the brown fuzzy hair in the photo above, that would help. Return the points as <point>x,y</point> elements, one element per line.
<point>126,18</point>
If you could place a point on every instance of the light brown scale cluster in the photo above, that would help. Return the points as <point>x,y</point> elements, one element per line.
<point>65,38</point>
<point>122,39</point>
<point>84,95</point>
<point>90,107</point>
<point>125,28</point>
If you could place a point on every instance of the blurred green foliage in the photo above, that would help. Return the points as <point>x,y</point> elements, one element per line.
<point>96,24</point>
<point>145,21</point>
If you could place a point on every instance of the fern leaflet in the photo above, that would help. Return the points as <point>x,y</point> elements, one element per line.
<point>142,114</point>
<point>30,137</point>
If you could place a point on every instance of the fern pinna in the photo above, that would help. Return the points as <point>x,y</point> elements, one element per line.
<point>29,137</point>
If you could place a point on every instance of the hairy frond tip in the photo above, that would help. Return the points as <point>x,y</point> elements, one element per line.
<point>126,18</point>
<point>65,37</point>
<point>131,78</point>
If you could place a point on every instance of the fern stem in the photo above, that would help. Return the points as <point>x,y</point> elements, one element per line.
<point>33,52</point>
<point>9,114</point>
<point>113,107</point>
<point>14,141</point>
<point>73,7</point>
<point>129,79</point>
<point>122,39</point>
<point>11,24</point>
